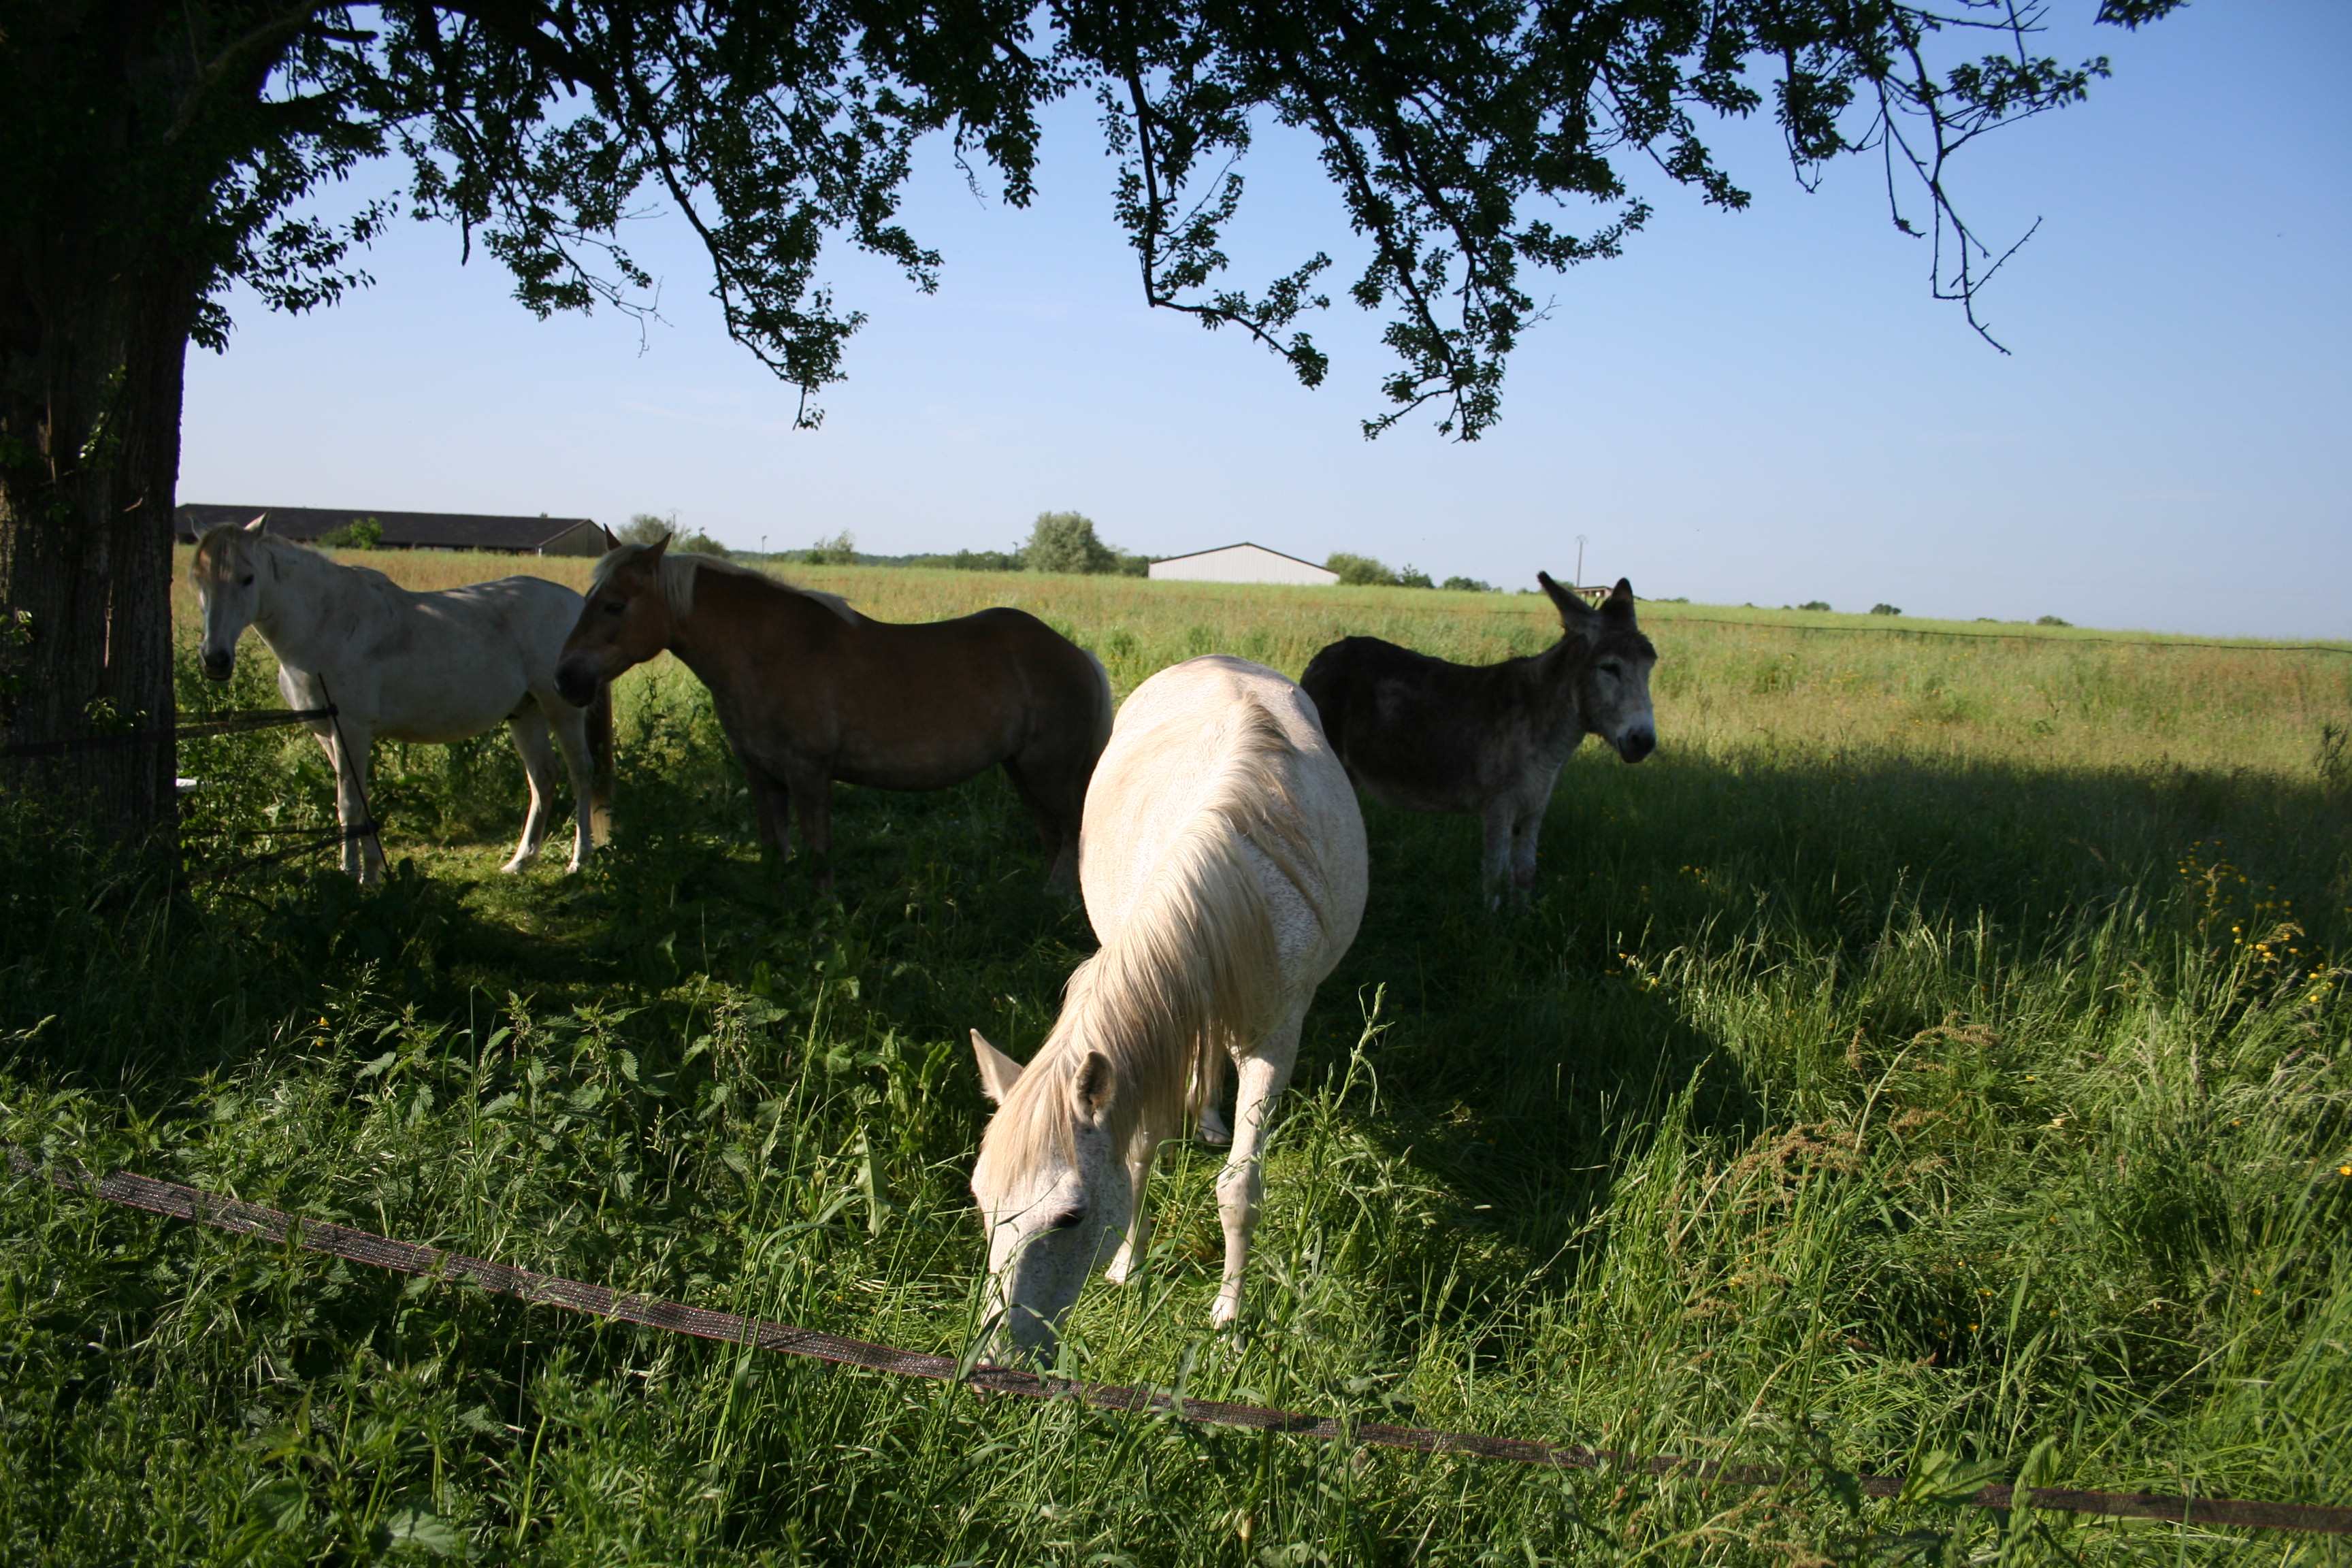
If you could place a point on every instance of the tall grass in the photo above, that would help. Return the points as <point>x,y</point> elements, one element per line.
<point>1865,1089</point>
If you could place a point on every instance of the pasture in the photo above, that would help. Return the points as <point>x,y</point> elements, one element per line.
<point>1935,1054</point>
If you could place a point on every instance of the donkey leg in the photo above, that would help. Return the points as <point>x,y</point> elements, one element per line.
<point>1241,1187</point>
<point>528,725</point>
<point>1137,1245</point>
<point>1524,834</point>
<point>571,726</point>
<point>1495,862</point>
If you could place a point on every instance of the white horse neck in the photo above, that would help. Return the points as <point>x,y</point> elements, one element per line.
<point>304,594</point>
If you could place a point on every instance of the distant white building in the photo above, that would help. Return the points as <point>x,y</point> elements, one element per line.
<point>1243,563</point>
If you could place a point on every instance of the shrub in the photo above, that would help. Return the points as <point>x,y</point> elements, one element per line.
<point>359,533</point>
<point>2052,621</point>
<point>1065,541</point>
<point>1885,610</point>
<point>644,528</point>
<point>973,561</point>
<point>841,550</point>
<point>1822,605</point>
<point>1360,571</point>
<point>1469,585</point>
<point>1411,576</point>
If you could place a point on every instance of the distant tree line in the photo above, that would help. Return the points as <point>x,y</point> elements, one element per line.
<point>1363,572</point>
<point>1057,541</point>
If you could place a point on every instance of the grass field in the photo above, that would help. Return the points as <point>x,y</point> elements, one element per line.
<point>1933,1057</point>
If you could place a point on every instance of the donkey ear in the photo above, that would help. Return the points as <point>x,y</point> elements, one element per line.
<point>611,539</point>
<point>1618,604</point>
<point>998,1072</point>
<point>255,526</point>
<point>1573,611</point>
<point>1090,1089</point>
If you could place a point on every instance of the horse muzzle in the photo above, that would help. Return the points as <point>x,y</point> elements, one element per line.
<point>217,663</point>
<point>575,682</point>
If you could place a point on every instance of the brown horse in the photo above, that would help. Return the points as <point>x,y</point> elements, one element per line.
<point>1419,733</point>
<point>809,691</point>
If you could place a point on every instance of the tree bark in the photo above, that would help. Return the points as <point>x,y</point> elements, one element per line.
<point>92,353</point>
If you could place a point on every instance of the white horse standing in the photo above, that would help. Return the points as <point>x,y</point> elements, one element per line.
<point>1222,861</point>
<point>408,667</point>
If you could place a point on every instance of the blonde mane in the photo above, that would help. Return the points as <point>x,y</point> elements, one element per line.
<point>1193,970</point>
<point>679,568</point>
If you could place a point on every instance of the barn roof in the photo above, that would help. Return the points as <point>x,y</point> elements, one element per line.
<point>1245,545</point>
<point>402,530</point>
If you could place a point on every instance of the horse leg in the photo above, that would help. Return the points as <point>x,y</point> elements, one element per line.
<point>528,725</point>
<point>1137,1245</point>
<point>1241,1187</point>
<point>574,740</point>
<point>772,802</point>
<point>1213,1128</point>
<point>347,745</point>
<point>1057,822</point>
<point>813,808</point>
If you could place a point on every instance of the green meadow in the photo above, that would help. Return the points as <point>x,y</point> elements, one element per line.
<point>1934,1057</point>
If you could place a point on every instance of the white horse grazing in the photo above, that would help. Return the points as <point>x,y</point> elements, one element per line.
<point>407,666</point>
<point>1222,861</point>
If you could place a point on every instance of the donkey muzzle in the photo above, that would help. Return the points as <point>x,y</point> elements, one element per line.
<point>1635,744</point>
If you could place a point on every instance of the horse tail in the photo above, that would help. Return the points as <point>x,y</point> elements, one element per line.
<point>1195,970</point>
<point>1105,709</point>
<point>600,762</point>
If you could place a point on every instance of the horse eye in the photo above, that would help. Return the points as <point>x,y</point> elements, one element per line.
<point>1068,1219</point>
<point>616,606</point>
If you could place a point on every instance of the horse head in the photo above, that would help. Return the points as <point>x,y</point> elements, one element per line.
<point>1612,678</point>
<point>1054,1194</point>
<point>226,574</point>
<point>626,620</point>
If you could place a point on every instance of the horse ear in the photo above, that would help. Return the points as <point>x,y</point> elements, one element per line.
<point>1573,611</point>
<point>1618,604</point>
<point>255,526</point>
<point>998,1072</point>
<point>654,552</point>
<point>1090,1090</point>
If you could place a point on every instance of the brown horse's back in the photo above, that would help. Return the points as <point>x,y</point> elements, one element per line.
<point>810,693</point>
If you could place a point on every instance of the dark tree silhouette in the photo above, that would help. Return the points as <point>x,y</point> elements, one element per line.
<point>151,156</point>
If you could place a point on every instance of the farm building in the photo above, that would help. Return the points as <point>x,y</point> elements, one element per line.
<point>1243,563</point>
<point>408,529</point>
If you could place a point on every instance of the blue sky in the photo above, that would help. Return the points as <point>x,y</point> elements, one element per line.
<point>1764,407</point>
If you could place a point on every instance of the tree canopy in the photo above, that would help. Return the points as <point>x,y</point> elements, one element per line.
<point>152,156</point>
<point>1465,136</point>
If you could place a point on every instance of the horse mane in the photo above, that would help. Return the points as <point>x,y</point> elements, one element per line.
<point>679,568</point>
<point>275,547</point>
<point>1193,970</point>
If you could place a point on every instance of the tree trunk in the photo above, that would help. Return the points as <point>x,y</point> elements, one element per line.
<point>93,344</point>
